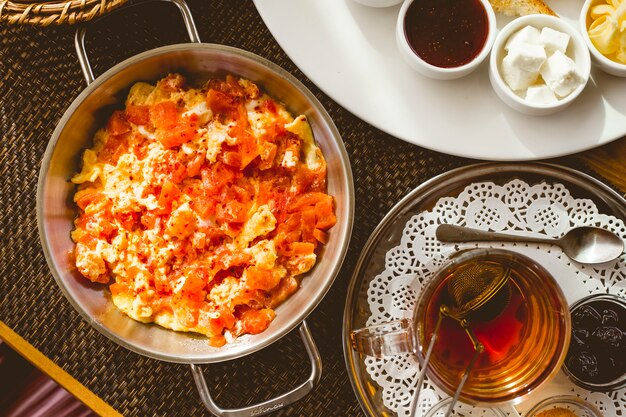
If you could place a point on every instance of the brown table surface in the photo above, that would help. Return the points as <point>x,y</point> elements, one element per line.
<point>39,78</point>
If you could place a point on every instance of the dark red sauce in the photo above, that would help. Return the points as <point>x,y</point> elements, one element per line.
<point>446,33</point>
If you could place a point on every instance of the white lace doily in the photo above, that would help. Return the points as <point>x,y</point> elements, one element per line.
<point>517,208</point>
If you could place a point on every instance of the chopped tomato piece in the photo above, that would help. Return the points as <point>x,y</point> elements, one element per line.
<point>119,288</point>
<point>261,279</point>
<point>274,132</point>
<point>139,115</point>
<point>178,134</point>
<point>320,236</point>
<point>226,99</point>
<point>195,165</point>
<point>307,222</point>
<point>204,206</point>
<point>231,212</point>
<point>114,147</point>
<point>87,197</point>
<point>287,286</point>
<point>164,115</point>
<point>270,106</point>
<point>302,248</point>
<point>216,176</point>
<point>234,202</point>
<point>169,193</point>
<point>172,167</point>
<point>118,124</point>
<point>193,288</point>
<point>232,158</point>
<point>217,340</point>
<point>288,232</point>
<point>267,155</point>
<point>220,102</point>
<point>245,146</point>
<point>98,225</point>
<point>324,214</point>
<point>242,190</point>
<point>128,219</point>
<point>188,315</point>
<point>182,223</point>
<point>307,180</point>
<point>239,134</point>
<point>225,258</point>
<point>149,219</point>
<point>255,321</point>
<point>308,199</point>
<point>315,180</point>
<point>225,320</point>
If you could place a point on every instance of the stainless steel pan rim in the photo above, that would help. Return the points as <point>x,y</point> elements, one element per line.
<point>56,211</point>
<point>342,231</point>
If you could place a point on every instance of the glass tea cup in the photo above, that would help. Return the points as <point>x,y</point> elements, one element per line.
<point>489,328</point>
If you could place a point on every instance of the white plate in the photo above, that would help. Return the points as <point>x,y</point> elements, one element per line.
<point>348,50</point>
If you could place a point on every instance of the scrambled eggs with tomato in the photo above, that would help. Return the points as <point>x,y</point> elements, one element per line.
<point>201,207</point>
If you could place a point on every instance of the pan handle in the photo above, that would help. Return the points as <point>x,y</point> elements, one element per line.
<point>274,403</point>
<point>79,38</point>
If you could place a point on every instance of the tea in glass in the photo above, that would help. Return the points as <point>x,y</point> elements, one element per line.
<point>525,329</point>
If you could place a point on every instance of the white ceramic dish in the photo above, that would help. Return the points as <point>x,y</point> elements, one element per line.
<point>604,63</point>
<point>577,50</point>
<point>379,3</point>
<point>439,73</point>
<point>349,51</point>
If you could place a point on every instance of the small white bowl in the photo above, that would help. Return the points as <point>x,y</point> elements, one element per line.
<point>379,3</point>
<point>440,73</point>
<point>600,60</point>
<point>577,50</point>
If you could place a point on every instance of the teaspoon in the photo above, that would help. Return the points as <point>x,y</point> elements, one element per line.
<point>585,244</point>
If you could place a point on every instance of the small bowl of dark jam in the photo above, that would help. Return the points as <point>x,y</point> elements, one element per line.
<point>596,359</point>
<point>445,39</point>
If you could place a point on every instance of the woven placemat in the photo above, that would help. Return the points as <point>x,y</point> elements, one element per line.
<point>40,78</point>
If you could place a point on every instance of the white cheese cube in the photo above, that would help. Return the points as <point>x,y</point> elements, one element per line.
<point>559,73</point>
<point>554,40</point>
<point>540,94</point>
<point>528,34</point>
<point>516,78</point>
<point>527,57</point>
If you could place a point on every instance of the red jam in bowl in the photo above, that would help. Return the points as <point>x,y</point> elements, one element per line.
<point>446,33</point>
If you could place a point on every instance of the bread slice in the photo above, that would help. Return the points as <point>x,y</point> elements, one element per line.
<point>521,7</point>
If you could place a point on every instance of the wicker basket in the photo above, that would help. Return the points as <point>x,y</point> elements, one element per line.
<point>54,12</point>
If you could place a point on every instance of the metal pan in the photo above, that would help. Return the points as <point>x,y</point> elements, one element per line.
<point>55,210</point>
